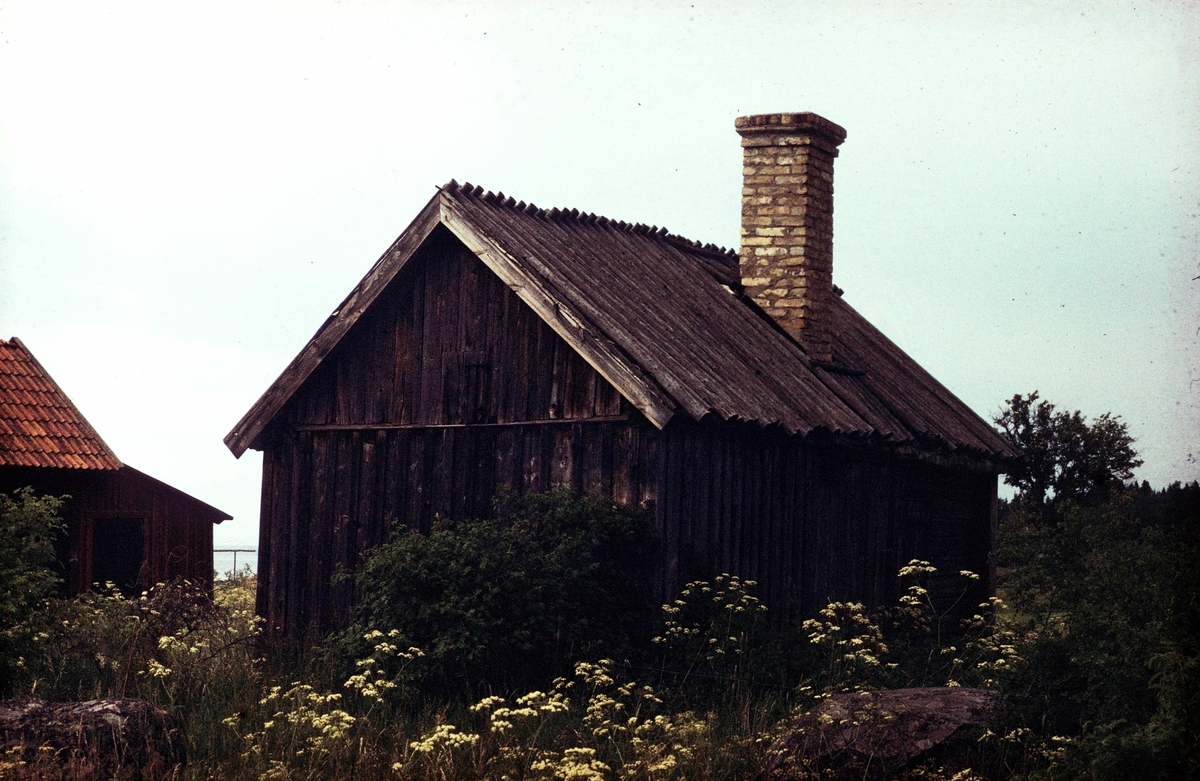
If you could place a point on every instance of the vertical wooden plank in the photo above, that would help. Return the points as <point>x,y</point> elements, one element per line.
<point>414,466</point>
<point>575,442</point>
<point>701,486</point>
<point>340,558</point>
<point>608,400</point>
<point>432,474</point>
<point>431,347</point>
<point>607,458</point>
<point>393,511</point>
<point>268,528</point>
<point>506,375</point>
<point>688,505</point>
<point>400,318</point>
<point>651,464</point>
<point>793,521</point>
<point>540,372</point>
<point>504,457</point>
<point>557,361</point>
<point>673,501</point>
<point>561,466</point>
<point>493,340</point>
<point>485,474</point>
<point>591,478</point>
<point>545,437</point>
<point>413,404</point>
<point>642,469</point>
<point>277,565</point>
<point>521,384</point>
<point>624,464</point>
<point>370,495</point>
<point>716,498</point>
<point>737,515</point>
<point>320,525</point>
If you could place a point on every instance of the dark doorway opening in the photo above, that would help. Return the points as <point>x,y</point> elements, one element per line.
<point>117,553</point>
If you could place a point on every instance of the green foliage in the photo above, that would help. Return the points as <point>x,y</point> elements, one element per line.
<point>29,525</point>
<point>907,644</point>
<point>553,578</point>
<point>1108,606</point>
<point>1065,456</point>
<point>171,646</point>
<point>1097,658</point>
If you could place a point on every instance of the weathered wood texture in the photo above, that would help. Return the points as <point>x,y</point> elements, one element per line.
<point>449,386</point>
<point>176,529</point>
<point>448,343</point>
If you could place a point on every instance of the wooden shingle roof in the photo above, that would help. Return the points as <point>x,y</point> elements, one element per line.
<point>663,319</point>
<point>39,426</point>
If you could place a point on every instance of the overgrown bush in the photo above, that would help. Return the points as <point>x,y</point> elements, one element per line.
<point>516,599</point>
<point>171,646</point>
<point>1107,603</point>
<point>29,526</point>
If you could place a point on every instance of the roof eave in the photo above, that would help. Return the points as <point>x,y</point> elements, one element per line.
<point>217,514</point>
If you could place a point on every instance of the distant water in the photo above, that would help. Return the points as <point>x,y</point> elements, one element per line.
<point>223,562</point>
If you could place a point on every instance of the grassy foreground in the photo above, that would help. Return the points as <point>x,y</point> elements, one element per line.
<point>1096,662</point>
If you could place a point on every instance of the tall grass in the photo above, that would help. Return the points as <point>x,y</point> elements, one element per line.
<point>705,711</point>
<point>709,698</point>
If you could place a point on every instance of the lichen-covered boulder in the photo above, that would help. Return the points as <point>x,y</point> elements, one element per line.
<point>114,738</point>
<point>875,735</point>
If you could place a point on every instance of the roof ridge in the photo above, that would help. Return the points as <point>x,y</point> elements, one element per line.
<point>587,218</point>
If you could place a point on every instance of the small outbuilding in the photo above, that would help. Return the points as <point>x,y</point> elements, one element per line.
<point>771,430</point>
<point>122,525</point>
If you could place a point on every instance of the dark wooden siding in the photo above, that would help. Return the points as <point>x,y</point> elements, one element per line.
<point>328,496</point>
<point>446,388</point>
<point>176,533</point>
<point>450,386</point>
<point>815,523</point>
<point>449,343</point>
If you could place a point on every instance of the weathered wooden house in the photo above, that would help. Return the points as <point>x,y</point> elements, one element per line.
<point>122,525</point>
<point>773,431</point>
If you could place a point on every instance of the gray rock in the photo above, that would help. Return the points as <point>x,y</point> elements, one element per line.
<point>875,735</point>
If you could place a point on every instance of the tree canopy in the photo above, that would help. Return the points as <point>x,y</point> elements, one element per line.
<point>1064,455</point>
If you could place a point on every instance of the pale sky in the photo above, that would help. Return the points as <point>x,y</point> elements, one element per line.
<point>187,191</point>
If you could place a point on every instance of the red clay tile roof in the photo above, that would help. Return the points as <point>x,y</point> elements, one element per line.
<point>39,426</point>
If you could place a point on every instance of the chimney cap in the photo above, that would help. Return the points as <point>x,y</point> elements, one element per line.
<point>803,122</point>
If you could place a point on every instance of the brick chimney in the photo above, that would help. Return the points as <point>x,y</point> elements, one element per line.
<point>787,221</point>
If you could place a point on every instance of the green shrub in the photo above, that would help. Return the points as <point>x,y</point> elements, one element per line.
<point>29,525</point>
<point>1108,607</point>
<point>516,599</point>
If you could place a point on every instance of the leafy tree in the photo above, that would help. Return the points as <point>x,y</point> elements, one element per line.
<point>29,525</point>
<point>1064,455</point>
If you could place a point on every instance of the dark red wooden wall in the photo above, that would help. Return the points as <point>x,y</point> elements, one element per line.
<point>176,530</point>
